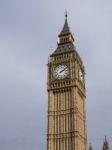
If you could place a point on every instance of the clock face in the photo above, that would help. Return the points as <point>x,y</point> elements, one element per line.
<point>81,76</point>
<point>61,72</point>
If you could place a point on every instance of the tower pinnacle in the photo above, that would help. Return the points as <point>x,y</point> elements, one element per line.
<point>90,147</point>
<point>66,14</point>
<point>65,38</point>
<point>65,35</point>
<point>105,144</point>
<point>65,29</point>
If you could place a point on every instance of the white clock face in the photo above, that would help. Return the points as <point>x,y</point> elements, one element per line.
<point>81,76</point>
<point>61,72</point>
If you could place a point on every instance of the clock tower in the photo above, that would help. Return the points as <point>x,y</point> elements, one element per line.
<point>66,96</point>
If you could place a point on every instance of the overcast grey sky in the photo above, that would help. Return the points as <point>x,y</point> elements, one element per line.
<point>28,34</point>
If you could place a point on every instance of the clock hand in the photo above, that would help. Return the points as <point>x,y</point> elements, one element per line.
<point>62,70</point>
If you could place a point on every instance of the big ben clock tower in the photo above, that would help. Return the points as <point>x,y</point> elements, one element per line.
<point>66,96</point>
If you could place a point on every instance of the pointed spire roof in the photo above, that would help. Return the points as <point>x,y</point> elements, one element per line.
<point>90,147</point>
<point>105,144</point>
<point>66,40</point>
<point>65,29</point>
<point>105,140</point>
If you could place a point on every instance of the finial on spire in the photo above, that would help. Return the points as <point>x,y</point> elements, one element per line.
<point>105,138</point>
<point>105,141</point>
<point>66,14</point>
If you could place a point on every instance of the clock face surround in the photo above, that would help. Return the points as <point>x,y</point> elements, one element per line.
<point>61,71</point>
<point>81,75</point>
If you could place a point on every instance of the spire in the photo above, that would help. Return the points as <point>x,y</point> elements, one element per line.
<point>105,144</point>
<point>65,29</point>
<point>66,41</point>
<point>105,140</point>
<point>90,147</point>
